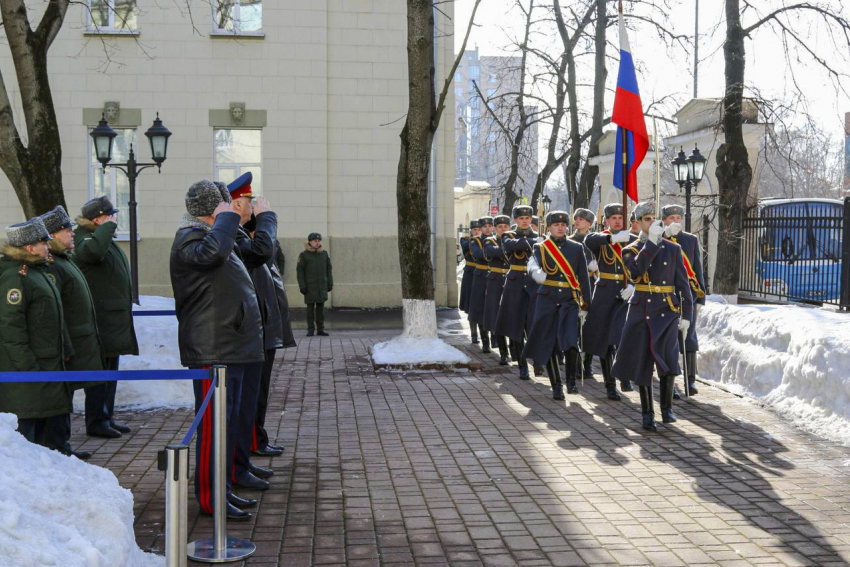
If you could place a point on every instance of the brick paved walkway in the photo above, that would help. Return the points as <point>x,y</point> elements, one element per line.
<point>483,469</point>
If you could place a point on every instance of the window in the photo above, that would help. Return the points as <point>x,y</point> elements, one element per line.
<point>458,93</point>
<point>111,181</point>
<point>237,152</point>
<point>491,93</point>
<point>474,72</point>
<point>238,17</point>
<point>458,77</point>
<point>492,78</point>
<point>113,16</point>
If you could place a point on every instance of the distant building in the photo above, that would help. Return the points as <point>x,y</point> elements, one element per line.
<point>483,153</point>
<point>847,153</point>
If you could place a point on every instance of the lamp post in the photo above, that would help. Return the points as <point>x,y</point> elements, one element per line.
<point>689,171</point>
<point>157,135</point>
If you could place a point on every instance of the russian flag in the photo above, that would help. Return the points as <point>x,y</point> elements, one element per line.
<point>628,116</point>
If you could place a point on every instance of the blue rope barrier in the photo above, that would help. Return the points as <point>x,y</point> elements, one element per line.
<point>154,313</point>
<point>198,416</point>
<point>104,375</point>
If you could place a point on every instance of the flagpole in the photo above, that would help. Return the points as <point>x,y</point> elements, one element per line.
<point>657,166</point>
<point>625,167</point>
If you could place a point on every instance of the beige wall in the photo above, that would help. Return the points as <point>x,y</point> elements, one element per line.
<point>331,76</point>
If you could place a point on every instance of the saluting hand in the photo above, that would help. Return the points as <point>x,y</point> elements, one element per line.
<point>261,206</point>
<point>222,208</point>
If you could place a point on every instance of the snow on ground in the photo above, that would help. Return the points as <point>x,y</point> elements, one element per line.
<point>407,350</point>
<point>158,350</point>
<point>792,358</point>
<point>58,510</point>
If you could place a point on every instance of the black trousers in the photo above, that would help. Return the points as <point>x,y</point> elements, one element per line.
<point>53,432</point>
<point>316,317</point>
<point>261,437</point>
<point>247,417</point>
<point>100,400</point>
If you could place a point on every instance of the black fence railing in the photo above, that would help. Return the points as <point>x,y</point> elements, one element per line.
<point>797,250</point>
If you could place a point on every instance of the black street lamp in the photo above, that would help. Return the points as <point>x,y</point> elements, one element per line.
<point>689,172</point>
<point>104,137</point>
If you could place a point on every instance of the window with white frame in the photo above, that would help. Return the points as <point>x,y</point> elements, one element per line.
<point>111,181</point>
<point>239,151</point>
<point>238,17</point>
<point>113,16</point>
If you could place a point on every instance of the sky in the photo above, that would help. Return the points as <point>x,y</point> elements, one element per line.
<point>669,71</point>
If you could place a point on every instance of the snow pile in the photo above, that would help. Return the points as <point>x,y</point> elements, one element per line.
<point>792,358</point>
<point>408,350</point>
<point>57,510</point>
<point>158,350</point>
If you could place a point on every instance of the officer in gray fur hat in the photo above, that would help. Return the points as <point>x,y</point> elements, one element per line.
<point>32,336</point>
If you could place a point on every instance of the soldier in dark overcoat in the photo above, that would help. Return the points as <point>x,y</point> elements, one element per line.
<point>478,289</point>
<point>498,268</point>
<point>516,311</point>
<point>660,306</point>
<point>468,269</point>
<point>607,312</point>
<point>672,216</point>
<point>559,267</point>
<point>583,220</point>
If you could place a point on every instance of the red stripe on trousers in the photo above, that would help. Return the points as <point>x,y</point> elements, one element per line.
<point>206,446</point>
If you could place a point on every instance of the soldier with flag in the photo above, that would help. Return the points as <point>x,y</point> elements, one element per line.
<point>559,267</point>
<point>498,267</point>
<point>478,287</point>
<point>660,306</point>
<point>516,311</point>
<point>671,216</point>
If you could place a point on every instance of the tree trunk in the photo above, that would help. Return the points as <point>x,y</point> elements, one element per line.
<point>590,172</point>
<point>734,173</point>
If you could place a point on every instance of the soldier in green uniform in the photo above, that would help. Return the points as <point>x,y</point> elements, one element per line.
<point>33,336</point>
<point>315,280</point>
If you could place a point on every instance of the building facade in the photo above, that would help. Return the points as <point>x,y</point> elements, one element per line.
<point>309,96</point>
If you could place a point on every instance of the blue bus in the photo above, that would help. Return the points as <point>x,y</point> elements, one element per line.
<point>799,255</point>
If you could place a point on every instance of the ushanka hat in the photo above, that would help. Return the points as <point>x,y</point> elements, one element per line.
<point>523,211</point>
<point>202,198</point>
<point>535,220</point>
<point>612,209</point>
<point>483,221</point>
<point>644,208</point>
<point>56,220</point>
<point>225,193</point>
<point>557,216</point>
<point>474,224</point>
<point>585,214</point>
<point>32,231</point>
<point>668,210</point>
<point>98,207</point>
<point>502,219</point>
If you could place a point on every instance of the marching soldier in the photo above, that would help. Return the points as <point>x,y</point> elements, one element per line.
<point>634,225</point>
<point>608,308</point>
<point>583,219</point>
<point>672,215</point>
<point>559,266</point>
<point>535,223</point>
<point>478,288</point>
<point>660,306</point>
<point>498,267</point>
<point>516,311</point>
<point>468,270</point>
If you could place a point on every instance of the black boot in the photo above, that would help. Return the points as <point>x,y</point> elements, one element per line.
<point>503,350</point>
<point>667,415</point>
<point>692,372</point>
<point>588,366</point>
<point>539,370</point>
<point>676,394</point>
<point>560,357</point>
<point>474,328</point>
<point>485,342</point>
<point>523,369</point>
<point>554,372</point>
<point>572,368</point>
<point>646,408</point>
<point>608,380</point>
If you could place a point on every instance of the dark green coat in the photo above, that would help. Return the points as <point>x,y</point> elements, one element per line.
<point>32,336</point>
<point>315,274</point>
<point>107,272</point>
<point>78,308</point>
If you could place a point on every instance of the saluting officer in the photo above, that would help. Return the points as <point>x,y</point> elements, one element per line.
<point>33,337</point>
<point>608,309</point>
<point>478,289</point>
<point>516,311</point>
<point>583,219</point>
<point>560,268</point>
<point>468,270</point>
<point>672,215</point>
<point>498,267</point>
<point>660,307</point>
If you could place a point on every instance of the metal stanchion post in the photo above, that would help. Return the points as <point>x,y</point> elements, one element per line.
<point>220,548</point>
<point>176,489</point>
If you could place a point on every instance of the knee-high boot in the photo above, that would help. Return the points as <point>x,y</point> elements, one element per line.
<point>523,363</point>
<point>572,369</point>
<point>608,380</point>
<point>503,349</point>
<point>485,341</point>
<point>554,372</point>
<point>667,415</point>
<point>474,328</point>
<point>646,408</point>
<point>691,358</point>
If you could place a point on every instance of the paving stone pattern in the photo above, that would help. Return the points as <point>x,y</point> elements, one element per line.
<point>482,469</point>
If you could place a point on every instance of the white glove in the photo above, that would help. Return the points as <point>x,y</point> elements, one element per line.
<point>627,292</point>
<point>672,230</point>
<point>540,239</point>
<point>592,266</point>
<point>684,325</point>
<point>621,237</point>
<point>537,274</point>
<point>582,316</point>
<point>655,232</point>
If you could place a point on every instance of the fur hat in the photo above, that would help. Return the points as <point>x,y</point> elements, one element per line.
<point>612,209</point>
<point>202,198</point>
<point>557,216</point>
<point>314,236</point>
<point>485,221</point>
<point>644,208</point>
<point>474,224</point>
<point>535,220</point>
<point>225,194</point>
<point>28,232</point>
<point>585,214</point>
<point>97,207</point>
<point>523,211</point>
<point>668,210</point>
<point>56,220</point>
<point>501,219</point>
